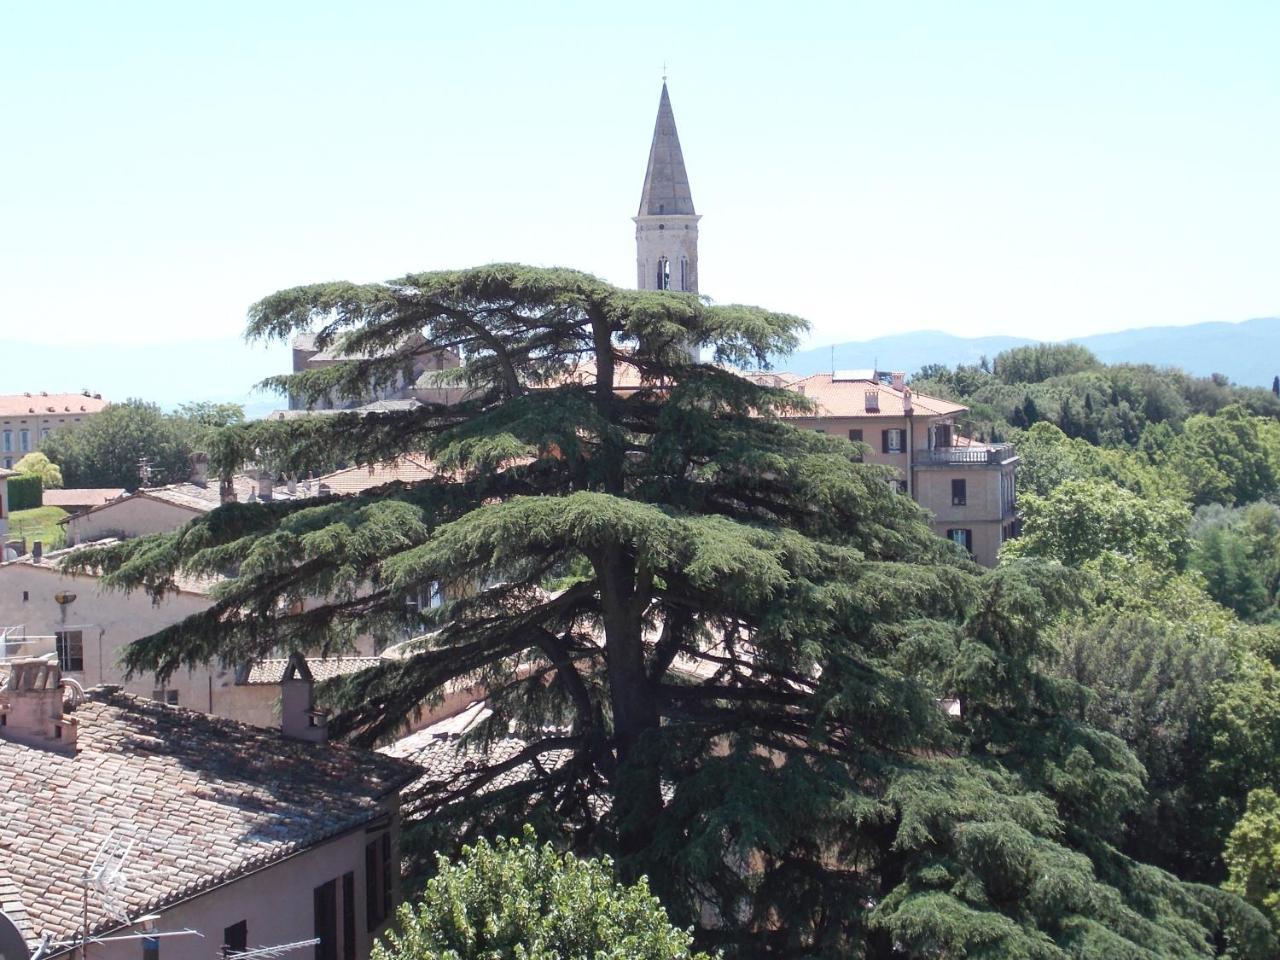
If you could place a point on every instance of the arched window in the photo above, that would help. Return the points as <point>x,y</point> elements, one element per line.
<point>684,273</point>
<point>664,273</point>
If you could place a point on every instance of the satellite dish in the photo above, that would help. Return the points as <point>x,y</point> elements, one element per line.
<point>12,944</point>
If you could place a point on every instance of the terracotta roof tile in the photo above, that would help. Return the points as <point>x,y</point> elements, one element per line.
<point>322,668</point>
<point>409,468</point>
<point>48,404</point>
<point>207,799</point>
<point>82,497</point>
<point>849,398</point>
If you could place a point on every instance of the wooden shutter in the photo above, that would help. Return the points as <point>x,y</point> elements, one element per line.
<point>326,920</point>
<point>884,441</point>
<point>348,916</point>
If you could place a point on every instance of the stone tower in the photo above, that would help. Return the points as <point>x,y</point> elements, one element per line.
<point>666,226</point>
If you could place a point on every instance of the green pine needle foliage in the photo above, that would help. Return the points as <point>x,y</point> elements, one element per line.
<point>723,640</point>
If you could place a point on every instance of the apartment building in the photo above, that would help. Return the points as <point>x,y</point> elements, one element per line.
<point>27,418</point>
<point>970,488</point>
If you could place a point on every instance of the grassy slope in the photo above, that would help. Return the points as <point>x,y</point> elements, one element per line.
<point>39,523</point>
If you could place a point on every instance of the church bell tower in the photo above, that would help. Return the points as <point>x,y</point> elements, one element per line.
<point>666,226</point>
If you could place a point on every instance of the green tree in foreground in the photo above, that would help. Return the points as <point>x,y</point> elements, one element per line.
<point>1253,854</point>
<point>37,464</point>
<point>518,899</point>
<point>104,450</point>
<point>721,640</point>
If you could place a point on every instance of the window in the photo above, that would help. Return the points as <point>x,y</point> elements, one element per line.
<point>377,881</point>
<point>893,441</point>
<point>664,273</point>
<point>150,948</point>
<point>958,493</point>
<point>962,537</point>
<point>70,644</point>
<point>325,899</point>
<point>24,440</point>
<point>942,435</point>
<point>348,916</point>
<point>821,430</point>
<point>44,433</point>
<point>855,436</point>
<point>236,936</point>
<point>899,485</point>
<point>684,273</point>
<point>8,441</point>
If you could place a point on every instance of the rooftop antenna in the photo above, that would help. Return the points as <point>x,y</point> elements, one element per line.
<point>265,953</point>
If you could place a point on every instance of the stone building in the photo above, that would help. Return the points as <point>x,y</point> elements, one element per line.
<point>666,224</point>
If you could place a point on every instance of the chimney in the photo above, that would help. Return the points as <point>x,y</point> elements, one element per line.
<point>37,551</point>
<point>299,719</point>
<point>31,709</point>
<point>226,490</point>
<point>266,484</point>
<point>871,401</point>
<point>200,469</point>
<point>907,406</point>
<point>898,379</point>
<point>293,484</point>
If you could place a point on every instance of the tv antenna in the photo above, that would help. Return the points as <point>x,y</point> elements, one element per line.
<point>106,876</point>
<point>266,953</point>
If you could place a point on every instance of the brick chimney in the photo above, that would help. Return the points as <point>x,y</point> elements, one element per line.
<point>898,379</point>
<point>299,719</point>
<point>31,708</point>
<point>200,469</point>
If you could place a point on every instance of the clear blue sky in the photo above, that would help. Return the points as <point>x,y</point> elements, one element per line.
<point>1040,169</point>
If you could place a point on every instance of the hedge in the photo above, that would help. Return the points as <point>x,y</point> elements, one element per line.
<point>25,492</point>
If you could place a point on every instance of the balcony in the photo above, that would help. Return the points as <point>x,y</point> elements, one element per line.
<point>974,453</point>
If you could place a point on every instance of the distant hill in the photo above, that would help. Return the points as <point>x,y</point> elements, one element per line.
<point>1248,352</point>
<point>226,369</point>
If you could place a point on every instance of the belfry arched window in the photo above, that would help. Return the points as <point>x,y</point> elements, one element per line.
<point>684,273</point>
<point>664,273</point>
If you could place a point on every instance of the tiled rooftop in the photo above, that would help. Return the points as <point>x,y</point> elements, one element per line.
<point>52,560</point>
<point>838,397</point>
<point>450,766</point>
<point>82,497</point>
<point>48,404</point>
<point>322,668</point>
<point>207,800</point>
<point>409,468</point>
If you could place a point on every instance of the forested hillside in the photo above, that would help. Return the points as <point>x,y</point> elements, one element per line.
<point>1245,351</point>
<point>1163,490</point>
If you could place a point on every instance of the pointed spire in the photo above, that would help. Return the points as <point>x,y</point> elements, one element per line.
<point>666,185</point>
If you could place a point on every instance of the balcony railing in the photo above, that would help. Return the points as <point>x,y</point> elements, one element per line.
<point>973,453</point>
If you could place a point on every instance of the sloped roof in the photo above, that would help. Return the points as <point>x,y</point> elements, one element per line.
<point>322,668</point>
<point>82,496</point>
<point>408,468</point>
<point>448,765</point>
<point>848,398</point>
<point>666,183</point>
<point>5,474</point>
<point>48,404</point>
<point>208,799</point>
<point>51,562</point>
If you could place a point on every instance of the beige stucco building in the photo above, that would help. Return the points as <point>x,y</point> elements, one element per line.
<point>27,418</point>
<point>248,837</point>
<point>969,488</point>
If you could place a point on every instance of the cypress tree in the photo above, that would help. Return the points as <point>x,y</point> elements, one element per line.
<point>723,640</point>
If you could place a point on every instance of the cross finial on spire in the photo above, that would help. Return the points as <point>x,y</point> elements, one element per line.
<point>664,71</point>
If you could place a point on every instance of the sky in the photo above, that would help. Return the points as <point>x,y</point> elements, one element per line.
<point>1041,169</point>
